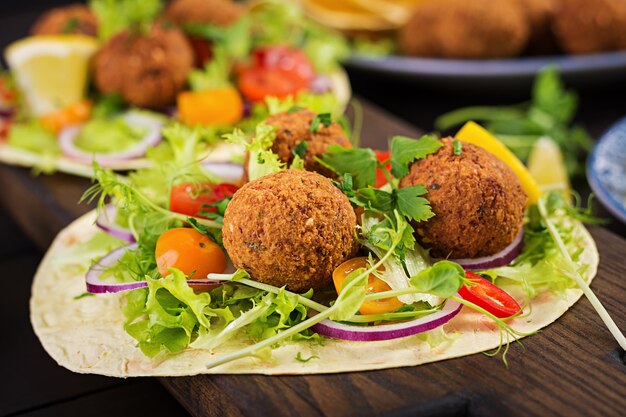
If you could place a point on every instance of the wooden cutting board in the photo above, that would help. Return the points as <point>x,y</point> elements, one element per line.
<point>573,367</point>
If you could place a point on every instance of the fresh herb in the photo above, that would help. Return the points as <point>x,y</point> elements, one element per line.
<point>360,163</point>
<point>83,295</point>
<point>116,15</point>
<point>215,73</point>
<point>406,150</point>
<point>300,149</point>
<point>71,24</point>
<point>458,147</point>
<point>549,113</point>
<point>320,119</point>
<point>299,357</point>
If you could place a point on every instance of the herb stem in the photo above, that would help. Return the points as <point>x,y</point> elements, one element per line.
<point>272,340</point>
<point>270,288</point>
<point>595,302</point>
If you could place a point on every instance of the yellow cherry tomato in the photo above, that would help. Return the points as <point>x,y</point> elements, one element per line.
<point>374,285</point>
<point>210,107</point>
<point>58,120</point>
<point>190,251</point>
<point>477,135</point>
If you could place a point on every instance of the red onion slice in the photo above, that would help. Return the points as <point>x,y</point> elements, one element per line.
<point>227,171</point>
<point>106,222</point>
<point>68,136</point>
<point>96,286</point>
<point>342,331</point>
<point>504,257</point>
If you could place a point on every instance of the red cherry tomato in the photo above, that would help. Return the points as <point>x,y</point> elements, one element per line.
<point>383,156</point>
<point>258,83</point>
<point>486,295</point>
<point>284,58</point>
<point>189,199</point>
<point>374,285</point>
<point>277,71</point>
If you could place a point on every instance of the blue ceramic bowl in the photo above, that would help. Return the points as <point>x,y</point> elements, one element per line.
<point>606,169</point>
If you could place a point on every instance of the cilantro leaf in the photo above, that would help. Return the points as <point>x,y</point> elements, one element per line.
<point>405,150</point>
<point>359,162</point>
<point>320,119</point>
<point>411,205</point>
<point>300,149</point>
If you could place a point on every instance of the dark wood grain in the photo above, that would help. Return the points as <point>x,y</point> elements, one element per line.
<point>571,368</point>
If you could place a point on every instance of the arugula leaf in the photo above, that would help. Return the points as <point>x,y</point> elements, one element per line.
<point>360,163</point>
<point>443,279</point>
<point>405,150</point>
<point>320,119</point>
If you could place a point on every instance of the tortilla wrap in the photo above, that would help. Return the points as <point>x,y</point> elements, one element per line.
<point>86,335</point>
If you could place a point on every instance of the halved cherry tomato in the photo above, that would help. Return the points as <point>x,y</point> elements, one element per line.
<point>190,251</point>
<point>258,83</point>
<point>189,199</point>
<point>285,58</point>
<point>374,285</point>
<point>486,295</point>
<point>383,156</point>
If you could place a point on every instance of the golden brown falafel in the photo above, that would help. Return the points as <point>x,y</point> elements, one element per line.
<point>290,228</point>
<point>477,200</point>
<point>214,12</point>
<point>465,29</point>
<point>147,70</point>
<point>540,15</point>
<point>74,18</point>
<point>295,127</point>
<point>583,26</point>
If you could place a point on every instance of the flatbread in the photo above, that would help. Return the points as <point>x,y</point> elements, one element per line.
<point>87,336</point>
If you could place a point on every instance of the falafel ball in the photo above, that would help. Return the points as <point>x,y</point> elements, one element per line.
<point>295,127</point>
<point>290,228</point>
<point>478,202</point>
<point>465,29</point>
<point>540,15</point>
<point>147,70</point>
<point>583,26</point>
<point>74,18</point>
<point>214,12</point>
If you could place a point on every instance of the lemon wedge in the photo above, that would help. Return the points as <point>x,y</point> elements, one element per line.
<point>477,135</point>
<point>51,70</point>
<point>545,164</point>
<point>356,15</point>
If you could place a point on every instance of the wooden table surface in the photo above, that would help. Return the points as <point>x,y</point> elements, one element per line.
<point>571,368</point>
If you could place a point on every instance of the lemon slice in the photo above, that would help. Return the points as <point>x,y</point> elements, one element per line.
<point>545,164</point>
<point>51,70</point>
<point>477,135</point>
<point>357,15</point>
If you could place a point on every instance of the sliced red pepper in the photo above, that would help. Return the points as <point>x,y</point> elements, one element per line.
<point>488,296</point>
<point>383,157</point>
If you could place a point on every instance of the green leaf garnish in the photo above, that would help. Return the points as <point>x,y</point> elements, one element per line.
<point>406,150</point>
<point>458,147</point>
<point>299,357</point>
<point>320,119</point>
<point>360,163</point>
<point>300,149</point>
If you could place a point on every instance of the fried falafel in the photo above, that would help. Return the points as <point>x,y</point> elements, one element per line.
<point>290,228</point>
<point>214,12</point>
<point>478,202</point>
<point>294,127</point>
<point>465,29</point>
<point>147,70</point>
<point>583,27</point>
<point>74,18</point>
